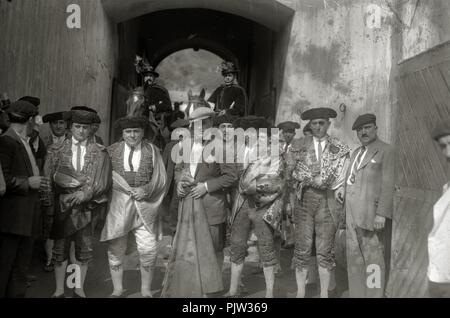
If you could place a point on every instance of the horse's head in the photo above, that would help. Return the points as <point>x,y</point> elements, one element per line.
<point>196,101</point>
<point>136,102</point>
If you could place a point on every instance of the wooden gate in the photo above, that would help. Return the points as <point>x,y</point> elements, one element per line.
<point>424,99</point>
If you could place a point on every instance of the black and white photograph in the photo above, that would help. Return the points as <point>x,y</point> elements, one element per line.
<point>241,150</point>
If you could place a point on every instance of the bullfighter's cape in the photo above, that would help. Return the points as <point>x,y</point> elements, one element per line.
<point>120,218</point>
<point>266,177</point>
<point>94,181</point>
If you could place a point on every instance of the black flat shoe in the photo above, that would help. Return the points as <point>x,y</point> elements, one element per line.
<point>49,267</point>
<point>75,295</point>
<point>59,296</point>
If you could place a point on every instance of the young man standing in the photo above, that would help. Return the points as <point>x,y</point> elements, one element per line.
<point>319,171</point>
<point>56,137</point>
<point>80,172</point>
<point>139,186</point>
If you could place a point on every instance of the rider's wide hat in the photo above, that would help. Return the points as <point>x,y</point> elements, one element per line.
<point>228,68</point>
<point>201,113</point>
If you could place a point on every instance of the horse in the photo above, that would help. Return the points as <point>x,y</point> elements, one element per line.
<point>137,105</point>
<point>195,101</point>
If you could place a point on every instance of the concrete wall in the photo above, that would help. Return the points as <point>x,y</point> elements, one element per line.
<point>41,56</point>
<point>336,55</point>
<point>425,24</point>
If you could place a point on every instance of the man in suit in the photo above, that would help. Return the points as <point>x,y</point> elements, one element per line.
<point>195,265</point>
<point>35,140</point>
<point>214,180</point>
<point>369,191</point>
<point>19,207</point>
<point>171,201</point>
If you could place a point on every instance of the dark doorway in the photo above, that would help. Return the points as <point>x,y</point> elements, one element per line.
<point>255,48</point>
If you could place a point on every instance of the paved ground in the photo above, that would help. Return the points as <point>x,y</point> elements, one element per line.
<point>98,283</point>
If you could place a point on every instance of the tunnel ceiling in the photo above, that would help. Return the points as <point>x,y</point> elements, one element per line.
<point>269,13</point>
<point>226,35</point>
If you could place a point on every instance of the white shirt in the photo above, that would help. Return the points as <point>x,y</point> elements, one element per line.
<point>439,241</point>
<point>74,153</point>
<point>136,159</point>
<point>353,168</point>
<point>196,155</point>
<point>316,146</point>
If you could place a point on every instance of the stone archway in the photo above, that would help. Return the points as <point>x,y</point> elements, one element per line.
<point>250,33</point>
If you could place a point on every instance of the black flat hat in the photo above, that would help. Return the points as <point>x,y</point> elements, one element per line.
<point>288,126</point>
<point>319,113</point>
<point>364,120</point>
<point>22,110</point>
<point>131,122</point>
<point>33,100</point>
<point>441,130</point>
<point>49,118</point>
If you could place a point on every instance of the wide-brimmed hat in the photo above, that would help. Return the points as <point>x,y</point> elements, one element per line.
<point>228,67</point>
<point>143,67</point>
<point>201,113</point>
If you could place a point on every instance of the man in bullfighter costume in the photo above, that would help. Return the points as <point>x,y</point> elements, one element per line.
<point>229,97</point>
<point>319,171</point>
<point>57,135</point>
<point>80,172</point>
<point>139,185</point>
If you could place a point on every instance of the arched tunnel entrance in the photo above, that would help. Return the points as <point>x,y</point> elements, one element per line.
<point>256,41</point>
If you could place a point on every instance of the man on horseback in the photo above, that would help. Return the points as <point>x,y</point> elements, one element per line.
<point>157,100</point>
<point>230,97</point>
<point>157,96</point>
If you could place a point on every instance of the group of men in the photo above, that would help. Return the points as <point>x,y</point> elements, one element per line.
<point>66,185</point>
<point>321,184</point>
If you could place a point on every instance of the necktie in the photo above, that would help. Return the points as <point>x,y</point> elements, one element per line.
<point>320,150</point>
<point>78,157</point>
<point>130,158</point>
<point>356,165</point>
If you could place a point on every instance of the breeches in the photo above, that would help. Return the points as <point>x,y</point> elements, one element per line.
<point>146,245</point>
<point>314,216</point>
<point>240,232</point>
<point>83,246</point>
